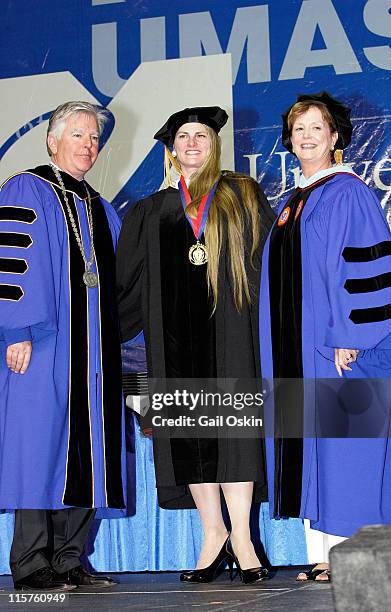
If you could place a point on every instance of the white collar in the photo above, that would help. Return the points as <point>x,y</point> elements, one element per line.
<point>304,182</point>
<point>176,183</point>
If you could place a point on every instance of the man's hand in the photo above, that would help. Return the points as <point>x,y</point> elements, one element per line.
<point>18,356</point>
<point>343,357</point>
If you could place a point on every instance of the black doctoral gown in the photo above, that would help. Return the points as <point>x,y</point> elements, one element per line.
<point>163,294</point>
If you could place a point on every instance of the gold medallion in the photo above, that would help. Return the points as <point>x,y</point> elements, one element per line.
<point>198,254</point>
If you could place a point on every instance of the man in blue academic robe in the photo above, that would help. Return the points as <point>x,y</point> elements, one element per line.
<point>61,430</point>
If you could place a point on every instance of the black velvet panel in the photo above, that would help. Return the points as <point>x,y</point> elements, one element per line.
<point>14,239</point>
<point>17,213</point>
<point>285,286</point>
<point>285,292</point>
<point>370,253</point>
<point>13,266</point>
<point>189,333</point>
<point>111,355</point>
<point>71,184</point>
<point>367,285</point>
<point>285,308</point>
<point>79,482</point>
<point>371,315</point>
<point>10,292</point>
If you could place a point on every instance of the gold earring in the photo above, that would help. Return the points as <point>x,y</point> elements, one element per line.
<point>338,156</point>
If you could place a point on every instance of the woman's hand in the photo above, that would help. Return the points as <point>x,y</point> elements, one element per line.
<point>18,356</point>
<point>342,357</point>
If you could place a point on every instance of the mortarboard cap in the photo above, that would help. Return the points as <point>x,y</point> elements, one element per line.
<point>339,112</point>
<point>213,116</point>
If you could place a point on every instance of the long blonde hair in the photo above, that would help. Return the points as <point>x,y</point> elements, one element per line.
<point>225,211</point>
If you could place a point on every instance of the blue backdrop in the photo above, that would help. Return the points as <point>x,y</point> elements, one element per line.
<point>278,49</point>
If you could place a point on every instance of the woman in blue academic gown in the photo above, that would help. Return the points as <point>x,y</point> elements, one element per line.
<point>325,308</point>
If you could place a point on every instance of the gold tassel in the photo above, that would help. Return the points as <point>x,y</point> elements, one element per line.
<point>338,155</point>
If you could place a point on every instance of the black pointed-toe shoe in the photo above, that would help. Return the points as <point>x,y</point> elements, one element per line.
<point>44,579</point>
<point>247,576</point>
<point>207,574</point>
<point>78,576</point>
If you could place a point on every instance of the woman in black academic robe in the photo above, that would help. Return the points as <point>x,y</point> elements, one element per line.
<point>196,296</point>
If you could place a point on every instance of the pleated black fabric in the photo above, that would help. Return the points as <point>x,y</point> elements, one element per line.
<point>161,292</point>
<point>189,337</point>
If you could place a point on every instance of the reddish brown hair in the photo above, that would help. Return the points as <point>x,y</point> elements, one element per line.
<point>300,108</point>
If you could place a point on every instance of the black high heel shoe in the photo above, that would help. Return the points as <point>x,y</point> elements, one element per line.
<point>247,576</point>
<point>207,574</point>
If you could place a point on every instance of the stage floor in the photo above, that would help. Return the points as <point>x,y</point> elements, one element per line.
<point>163,591</point>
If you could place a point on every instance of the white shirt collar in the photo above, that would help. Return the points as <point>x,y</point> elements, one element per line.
<point>303,182</point>
<point>175,184</point>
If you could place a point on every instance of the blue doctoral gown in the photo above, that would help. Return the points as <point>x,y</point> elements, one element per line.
<point>346,303</point>
<point>61,430</point>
